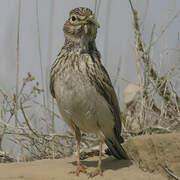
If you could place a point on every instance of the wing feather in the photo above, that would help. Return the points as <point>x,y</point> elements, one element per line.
<point>56,69</point>
<point>101,80</point>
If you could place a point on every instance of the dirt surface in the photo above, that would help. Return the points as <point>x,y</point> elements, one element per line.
<point>149,153</point>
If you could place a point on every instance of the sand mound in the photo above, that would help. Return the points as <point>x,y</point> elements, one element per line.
<point>156,152</point>
<point>149,153</point>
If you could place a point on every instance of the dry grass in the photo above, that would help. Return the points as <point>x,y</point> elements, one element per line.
<point>156,107</point>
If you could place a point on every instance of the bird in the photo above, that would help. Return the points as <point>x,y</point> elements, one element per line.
<point>83,89</point>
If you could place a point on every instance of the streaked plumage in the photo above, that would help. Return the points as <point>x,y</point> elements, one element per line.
<point>81,85</point>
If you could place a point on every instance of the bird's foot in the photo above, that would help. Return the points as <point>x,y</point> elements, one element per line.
<point>98,171</point>
<point>79,169</point>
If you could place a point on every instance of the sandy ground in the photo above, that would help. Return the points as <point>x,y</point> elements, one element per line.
<point>59,170</point>
<point>149,153</point>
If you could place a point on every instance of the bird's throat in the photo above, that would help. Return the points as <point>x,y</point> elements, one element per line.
<point>80,45</point>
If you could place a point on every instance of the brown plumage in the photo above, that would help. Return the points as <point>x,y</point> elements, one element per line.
<point>82,87</point>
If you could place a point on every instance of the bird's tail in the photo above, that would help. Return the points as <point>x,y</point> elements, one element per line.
<point>116,149</point>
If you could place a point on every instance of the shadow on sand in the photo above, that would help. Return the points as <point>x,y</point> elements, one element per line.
<point>107,163</point>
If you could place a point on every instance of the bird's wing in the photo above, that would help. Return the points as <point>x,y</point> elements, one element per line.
<point>101,80</point>
<point>55,69</point>
<point>52,83</point>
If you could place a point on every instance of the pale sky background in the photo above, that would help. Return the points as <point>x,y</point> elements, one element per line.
<point>115,39</point>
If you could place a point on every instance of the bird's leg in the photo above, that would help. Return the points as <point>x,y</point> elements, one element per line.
<point>99,170</point>
<point>80,168</point>
<point>78,153</point>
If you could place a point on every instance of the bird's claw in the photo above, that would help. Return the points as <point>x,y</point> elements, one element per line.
<point>98,171</point>
<point>79,169</point>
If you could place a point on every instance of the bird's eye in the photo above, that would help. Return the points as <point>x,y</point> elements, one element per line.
<point>73,18</point>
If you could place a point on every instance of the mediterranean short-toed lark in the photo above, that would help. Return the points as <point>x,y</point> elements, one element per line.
<point>82,87</point>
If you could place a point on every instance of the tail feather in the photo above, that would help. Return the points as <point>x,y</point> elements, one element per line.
<point>116,149</point>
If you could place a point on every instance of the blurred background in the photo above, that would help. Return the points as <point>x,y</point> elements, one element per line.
<point>31,36</point>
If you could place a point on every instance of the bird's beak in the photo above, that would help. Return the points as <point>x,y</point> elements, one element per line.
<point>93,20</point>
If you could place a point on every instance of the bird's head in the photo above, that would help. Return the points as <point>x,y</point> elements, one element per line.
<point>82,24</point>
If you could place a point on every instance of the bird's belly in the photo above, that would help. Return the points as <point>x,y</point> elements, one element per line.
<point>80,104</point>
